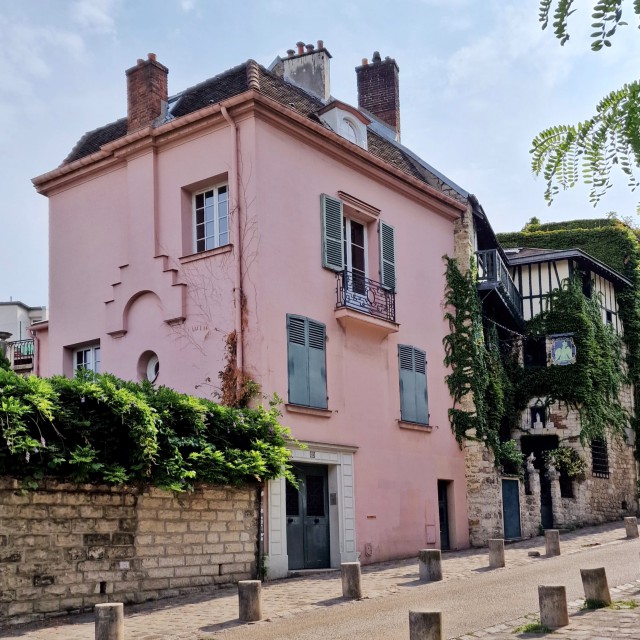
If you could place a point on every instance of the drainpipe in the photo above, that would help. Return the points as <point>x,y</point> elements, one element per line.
<point>238,241</point>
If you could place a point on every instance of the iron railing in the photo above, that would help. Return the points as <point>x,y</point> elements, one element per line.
<point>354,291</point>
<point>20,353</point>
<point>493,271</point>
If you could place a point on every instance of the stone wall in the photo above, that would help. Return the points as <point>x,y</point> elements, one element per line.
<point>64,548</point>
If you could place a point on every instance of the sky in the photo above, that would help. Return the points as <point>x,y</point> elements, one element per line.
<point>478,80</point>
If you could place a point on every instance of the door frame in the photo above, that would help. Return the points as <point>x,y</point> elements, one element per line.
<point>342,529</point>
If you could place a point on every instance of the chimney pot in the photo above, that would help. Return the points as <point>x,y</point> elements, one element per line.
<point>151,56</point>
<point>320,44</point>
<point>309,48</point>
<point>364,62</point>
<point>300,46</point>
<point>376,57</point>
<point>291,52</point>
<point>140,62</point>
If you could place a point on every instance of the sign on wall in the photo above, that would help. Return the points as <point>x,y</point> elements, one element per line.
<point>563,349</point>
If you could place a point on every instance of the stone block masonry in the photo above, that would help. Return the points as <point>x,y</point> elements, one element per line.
<point>66,547</point>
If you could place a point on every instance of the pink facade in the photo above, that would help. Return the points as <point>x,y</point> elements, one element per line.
<point>127,277</point>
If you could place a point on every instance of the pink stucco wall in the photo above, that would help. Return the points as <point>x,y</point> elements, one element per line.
<point>116,239</point>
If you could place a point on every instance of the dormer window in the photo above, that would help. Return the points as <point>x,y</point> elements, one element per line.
<point>349,131</point>
<point>346,121</point>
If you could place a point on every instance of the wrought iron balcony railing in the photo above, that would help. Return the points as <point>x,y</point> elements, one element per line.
<point>354,291</point>
<point>20,353</point>
<point>493,273</point>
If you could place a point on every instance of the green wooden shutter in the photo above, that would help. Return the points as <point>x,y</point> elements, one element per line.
<point>307,365</point>
<point>332,240</point>
<point>414,403</point>
<point>422,400</point>
<point>317,365</point>
<point>407,384</point>
<point>298,360</point>
<point>387,236</point>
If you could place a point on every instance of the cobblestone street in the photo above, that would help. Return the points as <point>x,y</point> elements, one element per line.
<point>204,615</point>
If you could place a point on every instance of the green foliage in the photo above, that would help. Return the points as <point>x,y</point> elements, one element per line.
<point>567,460</point>
<point>478,378</point>
<point>616,245</point>
<point>606,14</point>
<point>591,385</point>
<point>4,361</point>
<point>510,458</point>
<point>590,604</point>
<point>589,150</point>
<point>532,627</point>
<point>97,428</point>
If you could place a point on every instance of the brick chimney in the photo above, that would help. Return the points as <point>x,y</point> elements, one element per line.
<point>309,69</point>
<point>146,92</point>
<point>379,90</point>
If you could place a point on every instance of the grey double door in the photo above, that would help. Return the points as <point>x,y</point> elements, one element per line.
<point>308,518</point>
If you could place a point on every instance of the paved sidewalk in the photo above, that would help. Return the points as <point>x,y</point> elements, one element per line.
<point>201,616</point>
<point>620,623</point>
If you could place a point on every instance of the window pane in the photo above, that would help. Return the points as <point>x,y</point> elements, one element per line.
<point>208,213</point>
<point>315,496</point>
<point>200,245</point>
<point>199,216</point>
<point>222,208</point>
<point>96,360</point>
<point>208,198</point>
<point>223,225</point>
<point>209,229</point>
<point>200,201</point>
<point>224,239</point>
<point>222,189</point>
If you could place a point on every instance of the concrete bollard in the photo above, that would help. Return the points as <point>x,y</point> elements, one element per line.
<point>496,553</point>
<point>351,582</point>
<point>595,585</point>
<point>249,600</point>
<point>430,565</point>
<point>552,542</point>
<point>631,527</point>
<point>553,607</point>
<point>425,625</point>
<point>109,618</point>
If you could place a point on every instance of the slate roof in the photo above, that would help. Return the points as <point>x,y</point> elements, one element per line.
<point>234,82</point>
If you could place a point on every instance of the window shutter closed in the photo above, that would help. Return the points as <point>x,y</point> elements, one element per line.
<point>317,365</point>
<point>298,360</point>
<point>332,249</point>
<point>387,255</point>
<point>413,385</point>
<point>306,340</point>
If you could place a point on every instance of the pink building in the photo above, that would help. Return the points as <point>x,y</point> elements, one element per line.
<point>254,205</point>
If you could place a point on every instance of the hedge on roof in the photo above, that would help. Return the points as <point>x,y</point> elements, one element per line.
<point>98,428</point>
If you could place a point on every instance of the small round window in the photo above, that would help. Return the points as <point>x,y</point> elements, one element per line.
<point>148,366</point>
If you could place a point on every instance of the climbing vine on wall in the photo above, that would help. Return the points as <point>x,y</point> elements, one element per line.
<point>478,382</point>
<point>490,388</point>
<point>615,244</point>
<point>592,385</point>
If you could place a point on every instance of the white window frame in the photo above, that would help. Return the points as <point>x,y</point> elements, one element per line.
<point>217,238</point>
<point>90,356</point>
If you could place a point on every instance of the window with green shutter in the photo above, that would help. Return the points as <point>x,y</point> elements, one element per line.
<point>307,370</point>
<point>414,404</point>
<point>387,256</point>
<point>332,230</point>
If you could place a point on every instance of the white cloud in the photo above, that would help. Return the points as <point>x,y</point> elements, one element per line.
<point>26,51</point>
<point>96,15</point>
<point>187,5</point>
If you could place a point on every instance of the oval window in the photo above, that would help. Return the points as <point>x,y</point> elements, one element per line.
<point>153,368</point>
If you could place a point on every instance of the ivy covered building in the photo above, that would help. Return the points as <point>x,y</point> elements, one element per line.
<point>552,441</point>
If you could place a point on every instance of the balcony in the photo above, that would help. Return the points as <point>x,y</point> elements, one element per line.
<point>493,275</point>
<point>20,355</point>
<point>366,302</point>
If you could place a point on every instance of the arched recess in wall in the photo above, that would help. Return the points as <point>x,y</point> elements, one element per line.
<point>136,297</point>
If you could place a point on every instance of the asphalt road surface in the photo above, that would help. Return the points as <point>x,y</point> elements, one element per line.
<point>488,598</point>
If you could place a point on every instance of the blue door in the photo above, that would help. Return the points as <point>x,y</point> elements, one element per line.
<point>511,508</point>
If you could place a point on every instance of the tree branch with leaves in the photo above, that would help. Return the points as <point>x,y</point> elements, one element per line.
<point>590,150</point>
